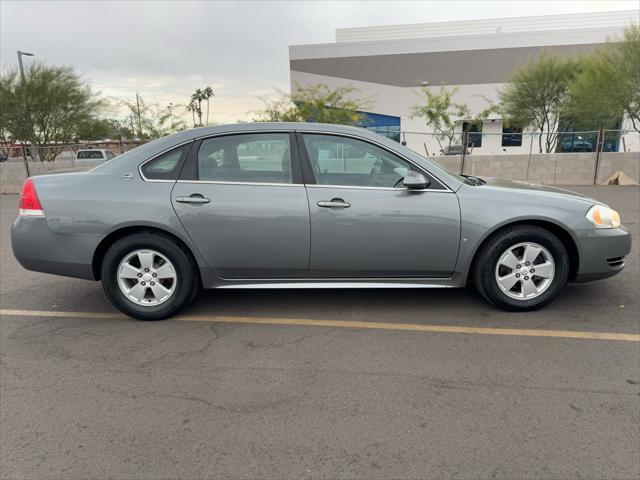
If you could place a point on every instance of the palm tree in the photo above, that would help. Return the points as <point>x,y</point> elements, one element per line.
<point>197,97</point>
<point>207,93</point>
<point>192,107</point>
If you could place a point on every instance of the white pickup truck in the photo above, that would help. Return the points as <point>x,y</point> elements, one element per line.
<point>94,155</point>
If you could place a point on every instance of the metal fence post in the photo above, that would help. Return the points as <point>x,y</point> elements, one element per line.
<point>26,160</point>
<point>530,151</point>
<point>465,141</point>
<point>599,144</point>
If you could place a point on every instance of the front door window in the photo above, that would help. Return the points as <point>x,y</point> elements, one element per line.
<point>354,163</point>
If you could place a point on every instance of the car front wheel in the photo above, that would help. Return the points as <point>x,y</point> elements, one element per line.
<point>522,268</point>
<point>149,276</point>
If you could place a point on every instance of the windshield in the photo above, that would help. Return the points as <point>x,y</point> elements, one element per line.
<point>464,180</point>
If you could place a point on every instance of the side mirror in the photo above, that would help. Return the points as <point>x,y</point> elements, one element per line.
<point>416,181</point>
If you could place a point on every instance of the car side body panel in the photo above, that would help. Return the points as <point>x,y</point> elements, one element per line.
<point>248,231</point>
<point>486,209</point>
<point>383,233</point>
<point>83,209</point>
<point>38,248</point>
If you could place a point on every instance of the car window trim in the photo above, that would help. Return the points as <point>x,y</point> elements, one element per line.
<point>189,171</point>
<point>255,184</point>
<point>304,169</point>
<point>393,189</point>
<point>309,175</point>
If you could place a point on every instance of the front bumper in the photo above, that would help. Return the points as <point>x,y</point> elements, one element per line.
<point>38,248</point>
<point>602,252</point>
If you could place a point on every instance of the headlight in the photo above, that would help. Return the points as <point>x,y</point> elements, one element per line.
<point>603,217</point>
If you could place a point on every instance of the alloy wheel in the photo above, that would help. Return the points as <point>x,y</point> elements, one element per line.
<point>147,277</point>
<point>525,271</point>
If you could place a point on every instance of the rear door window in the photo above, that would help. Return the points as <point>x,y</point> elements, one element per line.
<point>246,158</point>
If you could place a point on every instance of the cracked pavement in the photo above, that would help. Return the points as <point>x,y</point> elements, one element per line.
<point>117,398</point>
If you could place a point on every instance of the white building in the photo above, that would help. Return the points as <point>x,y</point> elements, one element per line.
<point>389,63</point>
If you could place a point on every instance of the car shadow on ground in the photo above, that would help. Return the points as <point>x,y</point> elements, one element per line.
<point>434,306</point>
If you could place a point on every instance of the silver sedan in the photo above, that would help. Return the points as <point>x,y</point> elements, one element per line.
<point>306,206</point>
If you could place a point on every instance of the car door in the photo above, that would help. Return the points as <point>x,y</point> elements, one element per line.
<point>365,223</point>
<point>241,199</point>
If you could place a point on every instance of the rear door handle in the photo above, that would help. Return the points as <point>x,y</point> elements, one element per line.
<point>195,198</point>
<point>334,203</point>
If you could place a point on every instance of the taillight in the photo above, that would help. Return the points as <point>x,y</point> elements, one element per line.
<point>29,205</point>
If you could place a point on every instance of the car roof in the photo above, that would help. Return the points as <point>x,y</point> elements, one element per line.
<point>240,127</point>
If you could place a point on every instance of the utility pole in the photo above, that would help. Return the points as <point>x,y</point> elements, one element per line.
<point>26,107</point>
<point>20,55</point>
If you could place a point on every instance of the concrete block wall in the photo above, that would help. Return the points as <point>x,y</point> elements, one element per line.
<point>450,163</point>
<point>627,162</point>
<point>13,174</point>
<point>547,168</point>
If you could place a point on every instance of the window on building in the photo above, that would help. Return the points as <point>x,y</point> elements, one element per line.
<point>386,125</point>
<point>475,134</point>
<point>392,132</point>
<point>511,137</point>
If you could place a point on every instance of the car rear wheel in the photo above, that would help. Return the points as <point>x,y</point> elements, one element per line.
<point>149,276</point>
<point>522,268</point>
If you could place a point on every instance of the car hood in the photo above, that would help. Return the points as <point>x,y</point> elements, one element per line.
<point>533,187</point>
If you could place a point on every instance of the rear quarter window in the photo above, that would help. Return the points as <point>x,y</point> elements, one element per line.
<point>167,165</point>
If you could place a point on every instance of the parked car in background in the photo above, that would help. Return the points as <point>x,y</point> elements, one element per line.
<point>3,157</point>
<point>454,149</point>
<point>575,144</point>
<point>304,205</point>
<point>94,155</point>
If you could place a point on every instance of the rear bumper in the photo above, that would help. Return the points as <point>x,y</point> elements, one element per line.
<point>39,249</point>
<point>602,253</point>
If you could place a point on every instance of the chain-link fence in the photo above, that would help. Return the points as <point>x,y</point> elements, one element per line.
<point>582,158</point>
<point>65,152</point>
<point>519,143</point>
<point>565,157</point>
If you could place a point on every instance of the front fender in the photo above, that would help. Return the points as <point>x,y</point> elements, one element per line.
<point>486,211</point>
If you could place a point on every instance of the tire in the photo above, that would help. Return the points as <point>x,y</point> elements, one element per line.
<point>492,276</point>
<point>180,282</point>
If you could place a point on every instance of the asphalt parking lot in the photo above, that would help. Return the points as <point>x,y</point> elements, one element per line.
<point>320,384</point>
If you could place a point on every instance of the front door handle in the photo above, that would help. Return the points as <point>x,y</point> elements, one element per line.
<point>334,203</point>
<point>195,198</point>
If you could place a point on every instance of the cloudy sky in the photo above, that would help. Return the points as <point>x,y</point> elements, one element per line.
<point>164,50</point>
